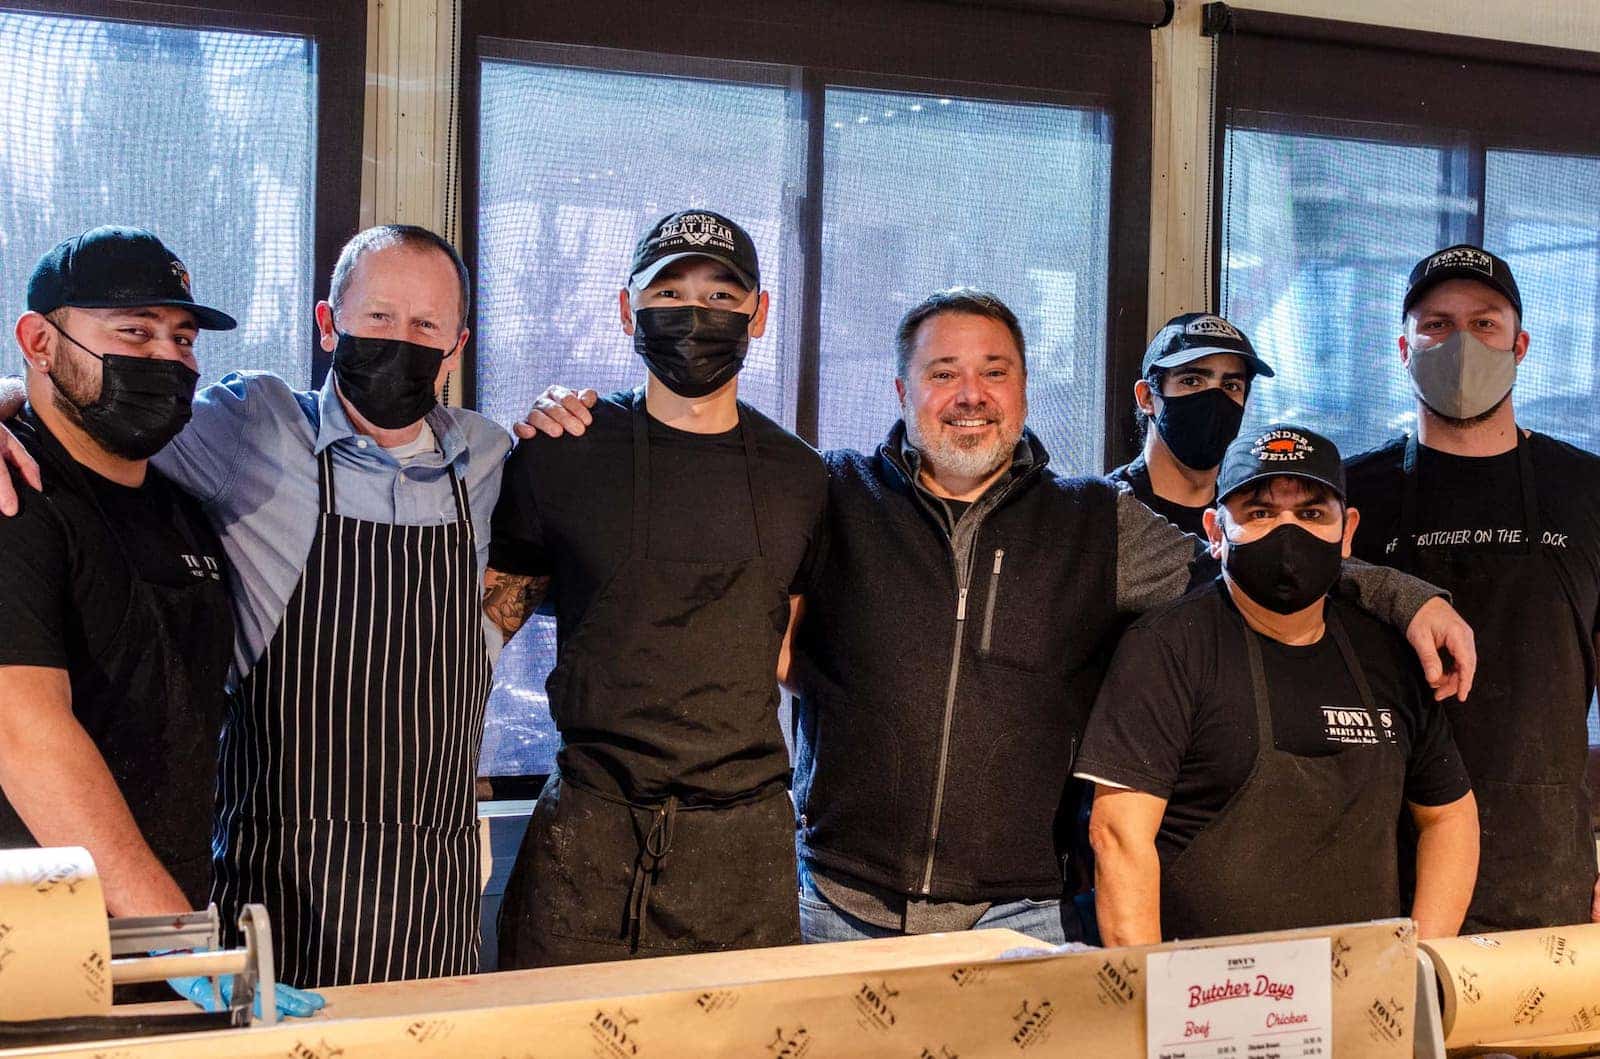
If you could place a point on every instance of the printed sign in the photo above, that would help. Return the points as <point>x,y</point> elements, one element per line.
<point>1268,1001</point>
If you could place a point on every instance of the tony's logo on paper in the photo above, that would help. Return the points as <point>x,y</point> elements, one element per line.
<point>872,1003</point>
<point>613,1032</point>
<point>1033,1024</point>
<point>791,1044</point>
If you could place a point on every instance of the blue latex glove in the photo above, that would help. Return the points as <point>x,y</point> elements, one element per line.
<point>292,1002</point>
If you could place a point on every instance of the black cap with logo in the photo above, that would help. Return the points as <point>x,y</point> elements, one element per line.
<point>1280,449</point>
<point>1462,261</point>
<point>1195,335</point>
<point>116,268</point>
<point>695,233</point>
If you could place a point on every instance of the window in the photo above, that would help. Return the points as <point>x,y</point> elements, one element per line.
<point>926,191</point>
<point>864,191</point>
<point>206,137</point>
<point>1343,160</point>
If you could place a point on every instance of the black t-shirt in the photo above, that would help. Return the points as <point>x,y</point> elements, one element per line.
<point>72,554</point>
<point>566,504</point>
<point>1176,717</point>
<point>1137,475</point>
<point>68,554</point>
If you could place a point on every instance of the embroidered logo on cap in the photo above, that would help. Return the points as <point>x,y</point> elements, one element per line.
<point>1462,257</point>
<point>1213,325</point>
<point>1276,446</point>
<point>698,229</point>
<point>183,275</point>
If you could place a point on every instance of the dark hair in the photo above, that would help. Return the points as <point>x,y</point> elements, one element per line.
<point>382,236</point>
<point>967,300</point>
<point>1157,378</point>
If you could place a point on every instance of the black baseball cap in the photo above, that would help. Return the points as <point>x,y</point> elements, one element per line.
<point>1280,449</point>
<point>695,233</point>
<point>1195,335</point>
<point>116,268</point>
<point>1462,261</point>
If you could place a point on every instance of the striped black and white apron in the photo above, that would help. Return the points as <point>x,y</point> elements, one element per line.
<point>346,798</point>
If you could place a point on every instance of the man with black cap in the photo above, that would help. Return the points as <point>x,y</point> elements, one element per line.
<point>1195,380</point>
<point>1508,520</point>
<point>114,621</point>
<point>1253,744</point>
<point>671,536</point>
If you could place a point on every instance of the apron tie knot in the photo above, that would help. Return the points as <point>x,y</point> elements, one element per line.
<point>652,857</point>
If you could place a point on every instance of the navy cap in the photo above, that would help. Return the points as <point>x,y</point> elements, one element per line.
<point>1194,335</point>
<point>1462,261</point>
<point>116,268</point>
<point>695,233</point>
<point>1280,449</point>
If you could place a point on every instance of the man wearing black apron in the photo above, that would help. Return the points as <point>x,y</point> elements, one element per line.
<point>1254,743</point>
<point>114,620</point>
<point>672,536</point>
<point>1195,380</point>
<point>1508,520</point>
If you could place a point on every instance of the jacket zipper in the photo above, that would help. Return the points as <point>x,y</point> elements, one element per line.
<point>988,607</point>
<point>962,579</point>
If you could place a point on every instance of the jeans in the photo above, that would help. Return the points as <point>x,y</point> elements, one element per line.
<point>821,921</point>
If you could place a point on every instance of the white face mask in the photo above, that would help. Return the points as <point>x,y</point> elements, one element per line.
<point>1460,377</point>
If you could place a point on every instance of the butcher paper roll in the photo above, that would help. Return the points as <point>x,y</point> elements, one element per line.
<point>1518,985</point>
<point>55,949</point>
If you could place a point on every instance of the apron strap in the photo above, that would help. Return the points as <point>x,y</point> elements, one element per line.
<point>1407,545</point>
<point>758,505</point>
<point>641,477</point>
<point>325,479</point>
<point>1258,675</point>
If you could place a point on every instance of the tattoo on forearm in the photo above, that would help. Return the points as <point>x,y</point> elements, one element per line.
<point>508,599</point>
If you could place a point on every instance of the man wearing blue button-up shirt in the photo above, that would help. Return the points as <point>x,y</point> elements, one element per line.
<point>355,520</point>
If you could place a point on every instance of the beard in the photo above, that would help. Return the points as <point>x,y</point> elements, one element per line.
<point>1470,421</point>
<point>966,455</point>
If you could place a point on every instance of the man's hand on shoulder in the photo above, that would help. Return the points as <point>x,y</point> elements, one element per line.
<point>558,411</point>
<point>1438,626</point>
<point>14,459</point>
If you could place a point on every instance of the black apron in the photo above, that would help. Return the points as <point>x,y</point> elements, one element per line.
<point>1307,841</point>
<point>1521,733</point>
<point>168,666</point>
<point>347,799</point>
<point>667,827</point>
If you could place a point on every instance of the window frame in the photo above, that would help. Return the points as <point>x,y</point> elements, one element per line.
<point>338,32</point>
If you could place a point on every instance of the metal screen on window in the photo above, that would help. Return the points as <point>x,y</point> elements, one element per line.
<point>205,137</point>
<point>575,165</point>
<point>925,192</point>
<point>1320,233</point>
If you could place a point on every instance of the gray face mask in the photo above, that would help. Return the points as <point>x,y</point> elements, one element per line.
<point>1461,377</point>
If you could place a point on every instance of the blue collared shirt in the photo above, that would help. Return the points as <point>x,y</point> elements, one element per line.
<point>250,457</point>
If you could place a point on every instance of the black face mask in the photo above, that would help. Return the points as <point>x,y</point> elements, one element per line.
<point>692,350</point>
<point>1198,427</point>
<point>1287,570</point>
<point>143,404</point>
<point>389,380</point>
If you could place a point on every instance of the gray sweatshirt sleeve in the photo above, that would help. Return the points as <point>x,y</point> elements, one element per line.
<point>1384,592</point>
<point>1155,559</point>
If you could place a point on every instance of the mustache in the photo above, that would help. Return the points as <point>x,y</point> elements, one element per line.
<point>975,411</point>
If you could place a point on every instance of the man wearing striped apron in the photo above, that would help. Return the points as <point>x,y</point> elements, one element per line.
<point>356,522</point>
